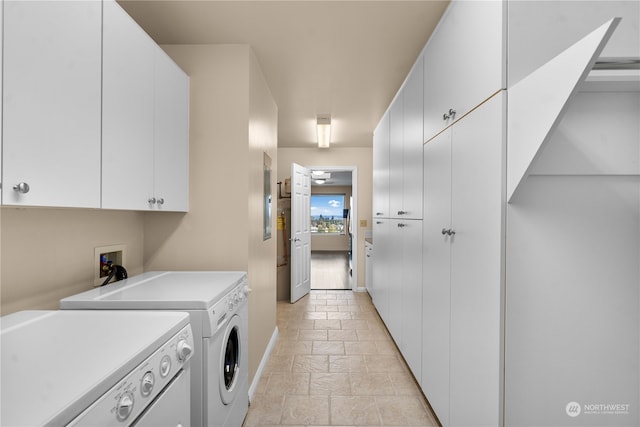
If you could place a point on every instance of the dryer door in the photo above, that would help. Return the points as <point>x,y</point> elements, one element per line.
<point>230,360</point>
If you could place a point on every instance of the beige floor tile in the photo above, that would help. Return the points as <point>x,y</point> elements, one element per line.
<point>328,347</point>
<point>327,324</point>
<point>403,411</point>
<point>312,335</point>
<point>279,363</point>
<point>389,363</point>
<point>284,347</point>
<point>305,410</point>
<point>335,364</point>
<point>288,383</point>
<point>347,364</point>
<point>360,347</point>
<point>339,315</point>
<point>354,411</point>
<point>343,335</point>
<point>330,384</point>
<point>264,410</point>
<point>310,363</point>
<point>371,384</point>
<point>315,315</point>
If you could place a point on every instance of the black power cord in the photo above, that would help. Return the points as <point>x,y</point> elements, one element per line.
<point>115,270</point>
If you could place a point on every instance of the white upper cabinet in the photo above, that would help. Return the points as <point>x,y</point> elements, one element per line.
<point>128,112</point>
<point>145,131</point>
<point>171,135</point>
<point>413,142</point>
<point>405,148</point>
<point>51,103</point>
<point>464,62</point>
<point>396,145</point>
<point>381,168</point>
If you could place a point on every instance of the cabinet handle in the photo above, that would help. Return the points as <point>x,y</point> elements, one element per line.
<point>402,212</point>
<point>22,188</point>
<point>379,214</point>
<point>379,222</point>
<point>401,225</point>
<point>152,201</point>
<point>450,115</point>
<point>449,231</point>
<point>161,201</point>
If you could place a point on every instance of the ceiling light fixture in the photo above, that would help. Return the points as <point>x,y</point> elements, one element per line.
<point>324,130</point>
<point>319,181</point>
<point>317,172</point>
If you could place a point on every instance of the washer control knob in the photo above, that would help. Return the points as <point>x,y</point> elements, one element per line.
<point>146,386</point>
<point>184,350</point>
<point>124,406</point>
<point>165,366</point>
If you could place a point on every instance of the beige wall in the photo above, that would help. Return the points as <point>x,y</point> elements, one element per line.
<point>233,121</point>
<point>331,242</point>
<point>359,157</point>
<point>48,254</point>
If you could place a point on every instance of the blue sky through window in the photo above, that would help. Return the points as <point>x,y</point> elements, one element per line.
<point>327,205</point>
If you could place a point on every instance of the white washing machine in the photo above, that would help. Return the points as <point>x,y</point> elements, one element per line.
<point>92,368</point>
<point>217,302</point>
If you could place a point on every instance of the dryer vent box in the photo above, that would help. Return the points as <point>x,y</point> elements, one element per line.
<point>114,254</point>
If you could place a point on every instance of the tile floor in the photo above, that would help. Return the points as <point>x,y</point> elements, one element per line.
<point>335,364</point>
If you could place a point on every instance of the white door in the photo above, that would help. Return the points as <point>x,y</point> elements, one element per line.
<point>300,231</point>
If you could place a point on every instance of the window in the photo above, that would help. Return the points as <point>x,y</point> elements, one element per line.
<point>328,213</point>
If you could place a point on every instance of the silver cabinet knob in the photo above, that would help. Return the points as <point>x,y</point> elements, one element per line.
<point>449,115</point>
<point>444,231</point>
<point>152,201</point>
<point>451,232</point>
<point>379,214</point>
<point>402,212</point>
<point>161,201</point>
<point>448,231</point>
<point>22,188</point>
<point>401,225</point>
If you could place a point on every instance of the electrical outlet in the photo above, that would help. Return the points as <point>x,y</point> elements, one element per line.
<point>363,223</point>
<point>116,254</point>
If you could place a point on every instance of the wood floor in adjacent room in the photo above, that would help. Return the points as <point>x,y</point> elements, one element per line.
<point>330,270</point>
<point>335,364</point>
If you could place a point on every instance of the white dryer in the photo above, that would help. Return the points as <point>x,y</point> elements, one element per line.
<point>217,302</point>
<point>95,368</point>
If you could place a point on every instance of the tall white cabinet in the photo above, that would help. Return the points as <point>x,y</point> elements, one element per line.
<point>51,103</point>
<point>531,216</point>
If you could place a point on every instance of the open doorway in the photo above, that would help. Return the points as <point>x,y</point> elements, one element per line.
<point>332,206</point>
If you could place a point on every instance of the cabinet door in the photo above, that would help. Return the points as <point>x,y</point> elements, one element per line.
<point>381,168</point>
<point>51,103</point>
<point>464,62</point>
<point>436,274</point>
<point>395,281</point>
<point>381,274</point>
<point>411,311</point>
<point>128,110</point>
<point>477,265</point>
<point>396,142</point>
<point>171,135</point>
<point>412,147</point>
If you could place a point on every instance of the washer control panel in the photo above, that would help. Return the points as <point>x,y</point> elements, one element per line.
<point>128,399</point>
<point>227,306</point>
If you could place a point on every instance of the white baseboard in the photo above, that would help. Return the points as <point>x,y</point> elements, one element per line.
<point>360,289</point>
<point>263,363</point>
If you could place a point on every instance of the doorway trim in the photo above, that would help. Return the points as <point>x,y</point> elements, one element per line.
<point>355,250</point>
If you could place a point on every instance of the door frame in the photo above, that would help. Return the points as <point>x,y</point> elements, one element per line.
<point>355,250</point>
